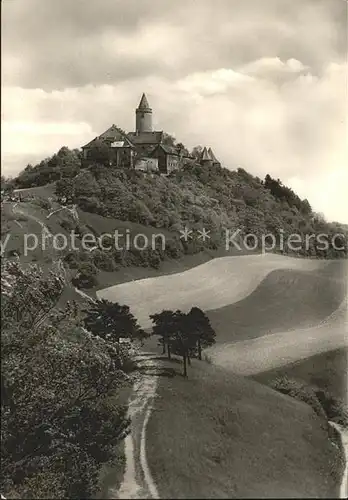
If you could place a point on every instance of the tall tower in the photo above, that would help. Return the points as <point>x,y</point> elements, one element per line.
<point>143,116</point>
<point>206,159</point>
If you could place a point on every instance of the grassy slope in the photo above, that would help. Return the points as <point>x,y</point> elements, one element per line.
<point>214,284</point>
<point>97,225</point>
<point>42,257</point>
<point>278,349</point>
<point>101,225</point>
<point>327,371</point>
<point>285,299</point>
<point>216,435</point>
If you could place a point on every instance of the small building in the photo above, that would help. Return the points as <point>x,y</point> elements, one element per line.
<point>120,148</point>
<point>145,142</point>
<point>214,159</point>
<point>206,158</point>
<point>170,158</point>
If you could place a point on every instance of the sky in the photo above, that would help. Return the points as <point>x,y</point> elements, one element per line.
<point>263,82</point>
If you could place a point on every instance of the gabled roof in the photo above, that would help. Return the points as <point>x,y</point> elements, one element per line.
<point>112,134</point>
<point>212,156</point>
<point>171,150</point>
<point>145,138</point>
<point>143,103</point>
<point>205,155</point>
<point>89,144</point>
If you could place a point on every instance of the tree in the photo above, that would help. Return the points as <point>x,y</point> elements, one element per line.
<point>175,335</point>
<point>183,341</point>
<point>199,326</point>
<point>197,152</point>
<point>111,321</point>
<point>6,184</point>
<point>182,149</point>
<point>60,418</point>
<point>168,140</point>
<point>29,295</point>
<point>64,188</point>
<point>164,327</point>
<point>86,276</point>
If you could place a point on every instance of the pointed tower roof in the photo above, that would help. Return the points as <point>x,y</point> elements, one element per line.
<point>212,156</point>
<point>205,155</point>
<point>143,103</point>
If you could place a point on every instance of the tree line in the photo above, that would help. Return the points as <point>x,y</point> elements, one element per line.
<point>184,334</point>
<point>179,333</point>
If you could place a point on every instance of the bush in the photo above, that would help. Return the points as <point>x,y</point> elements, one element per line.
<point>155,259</point>
<point>86,275</point>
<point>335,409</point>
<point>75,258</point>
<point>104,261</point>
<point>40,202</point>
<point>173,249</point>
<point>300,391</point>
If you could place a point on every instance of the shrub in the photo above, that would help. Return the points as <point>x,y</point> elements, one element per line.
<point>155,259</point>
<point>40,202</point>
<point>86,275</point>
<point>173,249</point>
<point>334,408</point>
<point>104,261</point>
<point>73,259</point>
<point>300,391</point>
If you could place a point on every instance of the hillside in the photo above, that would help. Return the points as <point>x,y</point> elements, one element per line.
<point>240,213</point>
<point>214,198</point>
<point>270,311</point>
<point>106,268</point>
<point>285,299</point>
<point>277,349</point>
<point>230,437</point>
<point>227,280</point>
<point>325,371</point>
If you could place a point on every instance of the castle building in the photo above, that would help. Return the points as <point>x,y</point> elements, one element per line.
<point>144,149</point>
<point>143,117</point>
<point>206,159</point>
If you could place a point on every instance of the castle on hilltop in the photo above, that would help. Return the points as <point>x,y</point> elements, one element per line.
<point>145,149</point>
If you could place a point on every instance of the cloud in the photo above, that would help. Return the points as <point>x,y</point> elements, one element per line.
<point>73,43</point>
<point>263,83</point>
<point>293,131</point>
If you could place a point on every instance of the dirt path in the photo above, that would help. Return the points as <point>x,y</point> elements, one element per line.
<point>137,481</point>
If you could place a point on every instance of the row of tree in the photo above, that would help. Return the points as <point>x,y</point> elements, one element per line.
<point>183,334</point>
